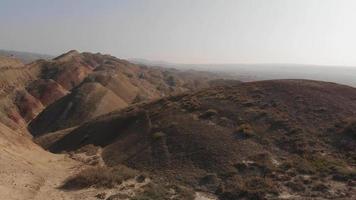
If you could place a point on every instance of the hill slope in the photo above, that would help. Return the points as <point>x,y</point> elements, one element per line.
<point>285,138</point>
<point>28,89</point>
<point>126,83</point>
<point>87,101</point>
<point>26,169</point>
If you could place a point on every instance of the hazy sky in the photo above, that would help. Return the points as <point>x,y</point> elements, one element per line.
<point>186,31</point>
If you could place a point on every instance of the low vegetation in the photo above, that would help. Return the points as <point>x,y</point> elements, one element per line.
<point>257,146</point>
<point>246,188</point>
<point>245,131</point>
<point>158,135</point>
<point>350,130</point>
<point>153,191</point>
<point>99,177</point>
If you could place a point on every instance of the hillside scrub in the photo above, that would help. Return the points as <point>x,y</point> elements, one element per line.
<point>99,177</point>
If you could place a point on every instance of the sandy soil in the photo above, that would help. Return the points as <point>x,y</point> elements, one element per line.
<point>27,171</point>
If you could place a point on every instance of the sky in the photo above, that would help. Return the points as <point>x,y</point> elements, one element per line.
<point>319,32</point>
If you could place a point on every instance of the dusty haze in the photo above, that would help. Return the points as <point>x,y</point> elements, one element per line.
<point>320,32</point>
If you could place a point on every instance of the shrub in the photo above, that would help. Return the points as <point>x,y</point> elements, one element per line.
<point>245,131</point>
<point>89,150</point>
<point>171,81</point>
<point>158,135</point>
<point>296,186</point>
<point>320,187</point>
<point>153,191</point>
<point>350,129</point>
<point>99,177</point>
<point>326,165</point>
<point>246,188</point>
<point>258,185</point>
<point>191,104</point>
<point>183,193</point>
<point>343,174</point>
<point>299,164</point>
<point>208,114</point>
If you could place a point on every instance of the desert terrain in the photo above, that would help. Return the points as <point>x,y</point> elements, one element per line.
<point>92,126</point>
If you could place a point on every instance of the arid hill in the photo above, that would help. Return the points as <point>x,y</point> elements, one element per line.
<point>87,101</point>
<point>69,90</point>
<point>260,140</point>
<point>13,78</point>
<point>26,90</point>
<point>99,84</point>
<point>122,130</point>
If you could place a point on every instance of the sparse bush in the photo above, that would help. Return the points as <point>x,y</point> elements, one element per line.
<point>210,182</point>
<point>316,164</point>
<point>171,81</point>
<point>246,188</point>
<point>245,131</point>
<point>183,193</point>
<point>350,129</point>
<point>141,178</point>
<point>320,187</point>
<point>118,196</point>
<point>208,114</point>
<point>101,195</point>
<point>99,177</point>
<point>344,174</point>
<point>191,104</point>
<point>347,138</point>
<point>326,165</point>
<point>296,186</point>
<point>89,150</point>
<point>259,185</point>
<point>153,191</point>
<point>301,165</point>
<point>158,135</point>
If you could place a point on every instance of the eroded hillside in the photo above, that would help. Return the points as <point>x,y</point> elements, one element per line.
<point>26,90</point>
<point>64,92</point>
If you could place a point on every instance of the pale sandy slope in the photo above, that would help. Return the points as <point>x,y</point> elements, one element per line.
<point>26,170</point>
<point>29,172</point>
